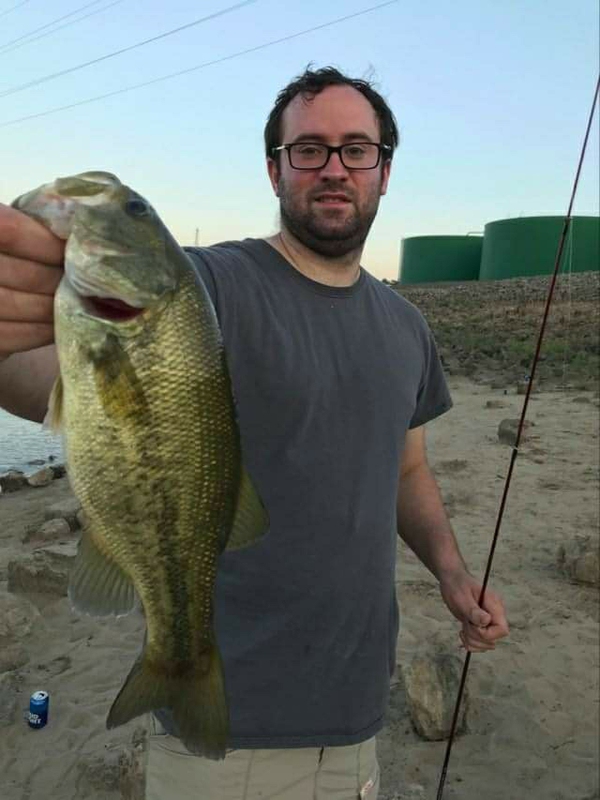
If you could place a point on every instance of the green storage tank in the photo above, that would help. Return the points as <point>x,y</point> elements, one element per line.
<point>429,259</point>
<point>528,245</point>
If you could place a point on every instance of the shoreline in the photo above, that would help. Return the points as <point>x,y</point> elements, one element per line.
<point>532,722</point>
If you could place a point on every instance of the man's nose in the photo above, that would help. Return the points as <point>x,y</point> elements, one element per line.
<point>334,168</point>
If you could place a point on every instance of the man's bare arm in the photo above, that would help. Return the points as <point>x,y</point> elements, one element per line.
<point>422,519</point>
<point>26,380</point>
<point>425,527</point>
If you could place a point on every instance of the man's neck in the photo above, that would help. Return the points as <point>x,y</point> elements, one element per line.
<point>342,271</point>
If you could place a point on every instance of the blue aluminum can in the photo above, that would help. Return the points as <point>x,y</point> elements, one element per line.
<point>38,709</point>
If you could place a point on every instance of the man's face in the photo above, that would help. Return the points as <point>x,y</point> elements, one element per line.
<point>329,210</point>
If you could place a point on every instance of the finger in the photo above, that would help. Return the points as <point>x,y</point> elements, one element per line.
<point>494,632</point>
<point>24,237</point>
<point>493,604</point>
<point>479,617</point>
<point>28,276</point>
<point>25,307</point>
<point>474,645</point>
<point>483,635</point>
<point>17,337</point>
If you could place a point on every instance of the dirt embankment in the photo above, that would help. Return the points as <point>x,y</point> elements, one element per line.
<point>488,330</point>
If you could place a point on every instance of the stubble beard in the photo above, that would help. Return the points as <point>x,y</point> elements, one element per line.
<point>318,233</point>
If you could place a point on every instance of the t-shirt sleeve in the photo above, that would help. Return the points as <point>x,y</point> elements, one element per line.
<point>203,271</point>
<point>433,398</point>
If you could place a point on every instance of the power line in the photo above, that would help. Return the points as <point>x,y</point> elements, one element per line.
<point>7,49</point>
<point>49,24</point>
<point>14,8</point>
<point>199,66</point>
<point>126,49</point>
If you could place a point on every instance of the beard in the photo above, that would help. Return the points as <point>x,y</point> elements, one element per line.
<point>326,232</point>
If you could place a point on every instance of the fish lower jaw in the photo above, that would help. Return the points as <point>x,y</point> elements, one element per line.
<point>111,309</point>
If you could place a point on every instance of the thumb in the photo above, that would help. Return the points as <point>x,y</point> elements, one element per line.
<point>479,617</point>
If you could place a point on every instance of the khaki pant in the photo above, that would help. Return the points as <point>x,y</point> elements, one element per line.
<point>308,773</point>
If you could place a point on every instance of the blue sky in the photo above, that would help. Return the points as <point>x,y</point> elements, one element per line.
<point>491,97</point>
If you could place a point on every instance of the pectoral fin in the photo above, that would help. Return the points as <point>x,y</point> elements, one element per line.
<point>97,585</point>
<point>250,520</point>
<point>53,419</point>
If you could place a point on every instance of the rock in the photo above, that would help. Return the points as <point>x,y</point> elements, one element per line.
<point>494,404</point>
<point>414,791</point>
<point>579,560</point>
<point>59,470</point>
<point>43,571</point>
<point>582,399</point>
<point>431,684</point>
<point>12,481</point>
<point>98,774</point>
<point>81,519</point>
<point>132,768</point>
<point>12,657</point>
<point>55,530</point>
<point>508,429</point>
<point>17,618</point>
<point>10,699</point>
<point>42,477</point>
<point>67,509</point>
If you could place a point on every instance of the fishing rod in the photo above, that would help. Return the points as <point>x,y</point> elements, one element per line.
<point>515,449</point>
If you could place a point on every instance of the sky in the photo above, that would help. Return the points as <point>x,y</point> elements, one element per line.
<point>492,99</point>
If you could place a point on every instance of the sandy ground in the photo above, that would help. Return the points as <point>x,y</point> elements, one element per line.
<point>533,723</point>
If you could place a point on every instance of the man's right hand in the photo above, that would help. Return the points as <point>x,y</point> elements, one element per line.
<point>31,261</point>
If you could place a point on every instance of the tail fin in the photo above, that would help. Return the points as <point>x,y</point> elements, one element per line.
<point>196,699</point>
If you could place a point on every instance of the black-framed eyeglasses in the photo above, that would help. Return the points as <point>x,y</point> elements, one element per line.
<point>315,155</point>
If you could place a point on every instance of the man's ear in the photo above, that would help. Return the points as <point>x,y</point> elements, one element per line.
<point>385,175</point>
<point>274,174</point>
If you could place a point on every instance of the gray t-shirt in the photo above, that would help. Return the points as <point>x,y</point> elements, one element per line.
<point>326,381</point>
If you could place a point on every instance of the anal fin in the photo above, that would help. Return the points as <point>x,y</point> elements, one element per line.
<point>250,520</point>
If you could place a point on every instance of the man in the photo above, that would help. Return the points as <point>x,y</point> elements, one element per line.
<point>335,377</point>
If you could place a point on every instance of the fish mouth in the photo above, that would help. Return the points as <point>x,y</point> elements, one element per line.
<point>100,302</point>
<point>110,309</point>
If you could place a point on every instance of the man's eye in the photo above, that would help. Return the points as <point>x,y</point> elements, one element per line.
<point>356,151</point>
<point>309,150</point>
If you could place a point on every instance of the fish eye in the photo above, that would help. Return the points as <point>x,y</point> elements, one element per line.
<point>137,208</point>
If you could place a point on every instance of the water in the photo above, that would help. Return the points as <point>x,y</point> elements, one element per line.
<point>22,441</point>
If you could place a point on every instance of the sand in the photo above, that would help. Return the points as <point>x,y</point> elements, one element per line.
<point>533,721</point>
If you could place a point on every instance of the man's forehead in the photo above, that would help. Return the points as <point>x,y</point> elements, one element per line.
<point>335,111</point>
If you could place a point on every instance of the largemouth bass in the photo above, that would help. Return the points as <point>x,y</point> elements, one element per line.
<point>152,445</point>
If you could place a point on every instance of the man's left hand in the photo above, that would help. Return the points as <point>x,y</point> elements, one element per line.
<point>482,625</point>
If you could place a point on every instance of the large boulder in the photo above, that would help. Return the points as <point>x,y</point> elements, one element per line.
<point>43,571</point>
<point>431,684</point>
<point>508,429</point>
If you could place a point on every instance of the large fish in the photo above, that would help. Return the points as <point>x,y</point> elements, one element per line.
<point>152,446</point>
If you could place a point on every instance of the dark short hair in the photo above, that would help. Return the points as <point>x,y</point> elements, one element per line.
<point>311,83</point>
